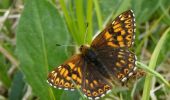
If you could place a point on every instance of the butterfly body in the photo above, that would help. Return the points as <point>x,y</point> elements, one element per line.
<point>108,59</point>
<point>90,55</point>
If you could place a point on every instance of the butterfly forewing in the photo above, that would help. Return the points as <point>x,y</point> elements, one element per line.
<point>66,74</point>
<point>118,34</point>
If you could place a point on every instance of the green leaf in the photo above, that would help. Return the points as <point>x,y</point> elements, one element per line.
<point>70,95</point>
<point>17,89</point>
<point>40,28</point>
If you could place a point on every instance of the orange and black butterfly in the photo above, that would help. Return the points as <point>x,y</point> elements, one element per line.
<point>107,59</point>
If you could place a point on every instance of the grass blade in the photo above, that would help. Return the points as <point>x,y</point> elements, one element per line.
<point>152,65</point>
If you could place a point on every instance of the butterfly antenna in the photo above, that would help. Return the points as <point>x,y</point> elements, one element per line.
<point>65,45</point>
<point>85,35</point>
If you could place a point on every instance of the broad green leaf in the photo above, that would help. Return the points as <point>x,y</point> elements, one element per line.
<point>17,89</point>
<point>70,95</point>
<point>40,28</point>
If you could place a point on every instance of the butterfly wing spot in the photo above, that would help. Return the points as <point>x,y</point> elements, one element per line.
<point>119,38</point>
<point>118,30</point>
<point>106,87</point>
<point>68,78</point>
<point>88,93</point>
<point>130,66</point>
<point>121,53</point>
<point>123,32</point>
<point>131,60</point>
<point>120,75</point>
<point>79,80</point>
<point>62,71</point>
<point>61,83</point>
<point>122,61</point>
<point>130,74</point>
<point>116,26</point>
<point>91,85</point>
<point>128,37</point>
<point>79,71</point>
<point>129,21</point>
<point>126,71</point>
<point>71,65</point>
<point>128,43</point>
<point>121,44</point>
<point>134,69</point>
<point>108,35</point>
<point>119,56</point>
<point>118,64</point>
<point>57,81</point>
<point>65,73</point>
<point>124,79</point>
<point>72,85</point>
<point>95,82</point>
<point>112,44</point>
<point>67,84</point>
<point>130,31</point>
<point>100,91</point>
<point>97,98</point>
<point>95,94</point>
<point>128,26</point>
<point>74,76</point>
<point>87,81</point>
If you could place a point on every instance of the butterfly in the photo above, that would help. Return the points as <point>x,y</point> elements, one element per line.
<point>107,59</point>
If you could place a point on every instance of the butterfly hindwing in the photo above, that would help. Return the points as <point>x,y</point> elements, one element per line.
<point>67,73</point>
<point>120,62</point>
<point>94,86</point>
<point>118,34</point>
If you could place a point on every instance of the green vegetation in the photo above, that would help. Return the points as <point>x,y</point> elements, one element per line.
<point>30,30</point>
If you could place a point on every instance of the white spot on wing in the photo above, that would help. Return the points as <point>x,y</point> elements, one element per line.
<point>72,89</point>
<point>120,16</point>
<point>130,74</point>
<point>134,37</point>
<point>124,79</point>
<point>85,96</point>
<point>102,95</point>
<point>96,98</point>
<point>90,98</point>
<point>53,72</point>
<point>59,67</point>
<point>135,57</point>
<point>134,69</point>
<point>108,91</point>
<point>113,22</point>
<point>65,88</point>
<point>50,84</point>
<point>132,43</point>
<point>135,62</point>
<point>134,29</point>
